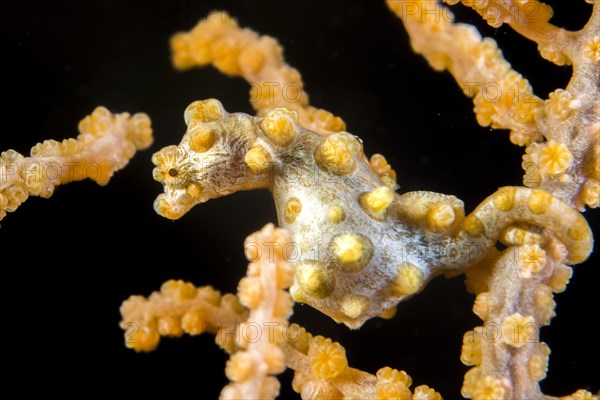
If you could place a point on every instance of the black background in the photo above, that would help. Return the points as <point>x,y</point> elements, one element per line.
<point>60,60</point>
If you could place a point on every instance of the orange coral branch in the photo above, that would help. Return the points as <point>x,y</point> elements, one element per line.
<point>105,144</point>
<point>514,300</point>
<point>502,97</point>
<point>179,307</point>
<point>562,134</point>
<point>219,41</point>
<point>530,19</point>
<point>270,306</point>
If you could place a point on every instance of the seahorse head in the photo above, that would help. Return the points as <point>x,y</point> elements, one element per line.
<point>217,156</point>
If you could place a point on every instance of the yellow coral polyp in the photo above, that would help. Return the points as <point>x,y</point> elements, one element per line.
<point>424,392</point>
<point>194,322</point>
<point>178,290</point>
<point>387,374</point>
<point>143,339</point>
<point>97,123</point>
<point>484,110</point>
<point>471,352</point>
<point>225,54</point>
<point>181,54</point>
<point>553,55</point>
<point>554,158</point>
<point>270,388</point>
<point>531,259</point>
<point>543,301</point>
<point>591,49</point>
<point>327,359</point>
<point>489,388</point>
<point>478,386</point>
<point>252,60</point>
<point>250,292</point>
<point>230,392</point>
<point>170,326</point>
<point>139,133</point>
<point>590,193</point>
<point>392,391</point>
<point>560,278</point>
<point>319,389</point>
<point>34,182</point>
<point>239,367</point>
<point>558,104</point>
<point>518,330</point>
<point>538,363</point>
<point>581,394</point>
<point>274,359</point>
<point>482,305</point>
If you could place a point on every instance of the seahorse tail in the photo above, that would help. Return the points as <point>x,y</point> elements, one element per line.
<point>513,204</point>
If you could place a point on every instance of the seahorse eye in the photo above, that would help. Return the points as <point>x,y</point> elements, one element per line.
<point>173,172</point>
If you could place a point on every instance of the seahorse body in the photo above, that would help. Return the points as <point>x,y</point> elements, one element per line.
<point>360,248</point>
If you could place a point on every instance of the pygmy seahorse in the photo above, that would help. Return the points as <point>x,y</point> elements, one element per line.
<point>359,247</point>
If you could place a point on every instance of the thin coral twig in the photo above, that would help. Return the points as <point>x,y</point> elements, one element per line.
<point>105,145</point>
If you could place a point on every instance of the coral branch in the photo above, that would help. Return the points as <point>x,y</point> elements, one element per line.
<point>562,134</point>
<point>105,144</point>
<point>514,299</point>
<point>477,65</point>
<point>529,18</point>
<point>179,307</point>
<point>218,40</point>
<point>270,306</point>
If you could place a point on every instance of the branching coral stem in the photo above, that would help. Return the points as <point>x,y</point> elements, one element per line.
<point>105,144</point>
